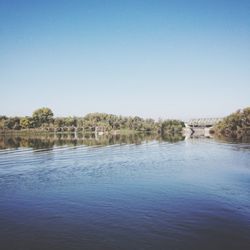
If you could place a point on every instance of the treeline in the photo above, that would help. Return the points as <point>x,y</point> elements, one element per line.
<point>43,120</point>
<point>236,125</point>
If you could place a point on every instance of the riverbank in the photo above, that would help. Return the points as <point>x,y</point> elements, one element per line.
<point>236,125</point>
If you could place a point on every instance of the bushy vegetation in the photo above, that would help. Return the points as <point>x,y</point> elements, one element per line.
<point>43,120</point>
<point>171,126</point>
<point>236,125</point>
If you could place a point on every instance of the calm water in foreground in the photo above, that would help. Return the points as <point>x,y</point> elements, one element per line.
<point>132,193</point>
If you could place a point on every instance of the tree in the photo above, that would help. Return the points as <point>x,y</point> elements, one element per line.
<point>70,121</point>
<point>236,125</point>
<point>42,116</point>
<point>2,121</point>
<point>12,123</point>
<point>171,127</point>
<point>26,122</point>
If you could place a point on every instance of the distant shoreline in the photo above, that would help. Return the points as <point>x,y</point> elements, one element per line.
<point>42,121</point>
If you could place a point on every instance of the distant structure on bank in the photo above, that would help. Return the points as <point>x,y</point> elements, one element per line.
<point>200,126</point>
<point>203,122</point>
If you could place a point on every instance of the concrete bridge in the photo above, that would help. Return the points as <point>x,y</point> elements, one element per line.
<point>200,126</point>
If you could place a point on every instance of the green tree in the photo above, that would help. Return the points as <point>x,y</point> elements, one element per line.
<point>42,116</point>
<point>70,121</point>
<point>236,125</point>
<point>2,121</point>
<point>26,122</point>
<point>12,123</point>
<point>171,127</point>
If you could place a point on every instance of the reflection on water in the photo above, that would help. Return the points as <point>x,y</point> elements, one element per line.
<point>50,140</point>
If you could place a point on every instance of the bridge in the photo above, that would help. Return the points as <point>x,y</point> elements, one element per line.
<point>203,122</point>
<point>200,126</point>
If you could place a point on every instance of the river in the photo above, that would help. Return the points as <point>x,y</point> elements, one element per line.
<point>125,193</point>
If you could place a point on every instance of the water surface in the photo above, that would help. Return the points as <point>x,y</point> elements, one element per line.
<point>132,193</point>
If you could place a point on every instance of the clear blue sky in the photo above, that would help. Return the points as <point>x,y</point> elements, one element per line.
<point>152,58</point>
